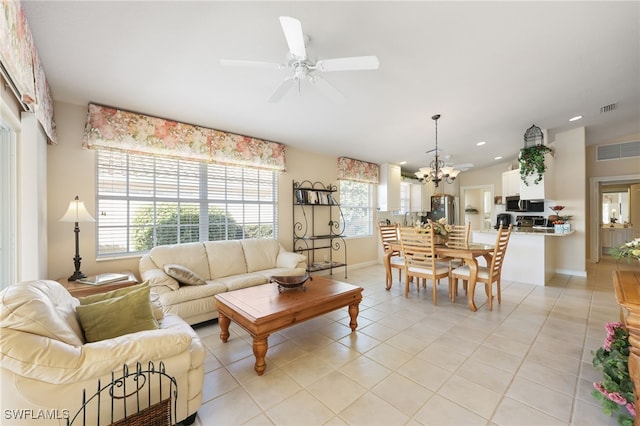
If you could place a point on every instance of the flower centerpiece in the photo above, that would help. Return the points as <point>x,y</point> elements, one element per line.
<point>441,229</point>
<point>629,251</point>
<point>615,390</point>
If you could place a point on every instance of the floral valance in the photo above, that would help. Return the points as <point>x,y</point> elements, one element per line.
<point>111,128</point>
<point>21,66</point>
<point>356,170</point>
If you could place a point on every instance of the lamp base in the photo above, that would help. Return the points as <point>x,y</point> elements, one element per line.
<point>76,276</point>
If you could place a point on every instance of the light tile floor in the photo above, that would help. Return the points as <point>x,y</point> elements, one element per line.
<point>526,363</point>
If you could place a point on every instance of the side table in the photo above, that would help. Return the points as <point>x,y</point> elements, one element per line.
<point>78,290</point>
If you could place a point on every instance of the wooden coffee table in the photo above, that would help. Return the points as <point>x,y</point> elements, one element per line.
<point>263,309</point>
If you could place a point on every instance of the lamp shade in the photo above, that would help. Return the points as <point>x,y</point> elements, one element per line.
<point>76,212</point>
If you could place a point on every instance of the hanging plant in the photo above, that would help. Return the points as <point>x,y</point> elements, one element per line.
<point>532,162</point>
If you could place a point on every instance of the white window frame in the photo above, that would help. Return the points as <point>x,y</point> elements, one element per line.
<point>350,209</point>
<point>8,208</point>
<point>126,183</point>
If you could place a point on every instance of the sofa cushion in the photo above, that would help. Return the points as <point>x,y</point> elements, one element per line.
<point>117,316</point>
<point>260,253</point>
<point>236,282</point>
<point>43,308</point>
<point>225,258</point>
<point>183,274</point>
<point>189,293</point>
<point>156,306</point>
<point>190,255</point>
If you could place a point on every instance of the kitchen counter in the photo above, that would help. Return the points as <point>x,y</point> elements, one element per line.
<point>550,232</point>
<point>531,253</point>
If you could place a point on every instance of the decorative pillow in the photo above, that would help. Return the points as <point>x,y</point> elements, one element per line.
<point>99,297</point>
<point>117,316</point>
<point>156,306</point>
<point>183,274</point>
<point>289,259</point>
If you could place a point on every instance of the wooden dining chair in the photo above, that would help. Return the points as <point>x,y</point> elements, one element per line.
<point>420,261</point>
<point>459,235</point>
<point>487,274</point>
<point>389,233</point>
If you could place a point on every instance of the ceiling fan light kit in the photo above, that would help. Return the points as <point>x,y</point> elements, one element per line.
<point>304,68</point>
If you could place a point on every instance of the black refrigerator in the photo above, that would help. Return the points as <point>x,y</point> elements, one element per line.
<point>443,206</point>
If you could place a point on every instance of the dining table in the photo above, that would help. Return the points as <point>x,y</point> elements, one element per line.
<point>469,252</point>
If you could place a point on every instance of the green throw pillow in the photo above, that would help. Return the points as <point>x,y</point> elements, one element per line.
<point>85,300</point>
<point>117,316</point>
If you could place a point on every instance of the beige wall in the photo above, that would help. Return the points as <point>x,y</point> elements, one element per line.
<point>71,171</point>
<point>570,191</point>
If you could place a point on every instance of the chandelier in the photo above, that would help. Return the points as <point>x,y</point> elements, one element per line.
<point>437,170</point>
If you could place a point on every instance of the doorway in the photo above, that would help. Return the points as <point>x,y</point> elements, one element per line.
<point>477,206</point>
<point>596,191</point>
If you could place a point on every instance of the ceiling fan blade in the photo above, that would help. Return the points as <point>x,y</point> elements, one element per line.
<point>328,89</point>
<point>282,89</point>
<point>463,166</point>
<point>292,29</point>
<point>349,64</point>
<point>253,64</point>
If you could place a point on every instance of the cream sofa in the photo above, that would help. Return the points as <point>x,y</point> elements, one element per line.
<point>45,362</point>
<point>224,265</point>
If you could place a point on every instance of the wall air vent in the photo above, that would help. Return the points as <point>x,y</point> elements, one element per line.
<point>608,108</point>
<point>618,151</point>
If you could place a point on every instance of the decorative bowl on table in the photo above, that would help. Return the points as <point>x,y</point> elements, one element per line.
<point>290,281</point>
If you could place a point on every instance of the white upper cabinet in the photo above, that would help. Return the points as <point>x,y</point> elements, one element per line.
<point>420,201</point>
<point>542,190</point>
<point>389,188</point>
<point>510,183</point>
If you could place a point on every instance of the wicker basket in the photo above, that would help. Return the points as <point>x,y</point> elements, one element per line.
<point>439,239</point>
<point>156,415</point>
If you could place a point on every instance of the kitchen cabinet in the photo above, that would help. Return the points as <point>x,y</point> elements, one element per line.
<point>420,200</point>
<point>542,190</point>
<point>389,188</point>
<point>510,183</point>
<point>614,237</point>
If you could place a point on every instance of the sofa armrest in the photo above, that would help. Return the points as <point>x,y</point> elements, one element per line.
<point>156,276</point>
<point>53,361</point>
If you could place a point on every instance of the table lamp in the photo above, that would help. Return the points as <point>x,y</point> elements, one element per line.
<point>77,213</point>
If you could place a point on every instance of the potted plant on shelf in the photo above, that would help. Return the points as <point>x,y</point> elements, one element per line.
<point>531,161</point>
<point>615,390</point>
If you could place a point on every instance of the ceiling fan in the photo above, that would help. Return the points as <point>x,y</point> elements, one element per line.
<point>305,68</point>
<point>463,167</point>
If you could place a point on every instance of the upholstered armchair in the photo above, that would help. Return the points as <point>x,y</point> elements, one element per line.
<point>46,362</point>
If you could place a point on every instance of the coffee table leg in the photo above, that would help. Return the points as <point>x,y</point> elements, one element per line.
<point>224,322</point>
<point>353,313</point>
<point>260,346</point>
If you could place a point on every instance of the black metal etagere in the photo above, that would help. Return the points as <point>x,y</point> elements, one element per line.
<point>318,226</point>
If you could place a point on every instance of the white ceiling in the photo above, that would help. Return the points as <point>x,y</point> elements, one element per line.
<point>492,69</point>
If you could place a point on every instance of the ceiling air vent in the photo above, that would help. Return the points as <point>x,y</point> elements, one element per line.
<point>608,108</point>
<point>618,151</point>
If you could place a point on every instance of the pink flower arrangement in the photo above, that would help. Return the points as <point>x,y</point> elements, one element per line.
<point>615,390</point>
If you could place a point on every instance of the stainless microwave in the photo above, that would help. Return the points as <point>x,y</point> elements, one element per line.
<point>515,204</point>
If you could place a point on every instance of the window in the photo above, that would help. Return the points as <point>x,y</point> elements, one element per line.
<point>405,197</point>
<point>356,202</point>
<point>8,223</point>
<point>145,201</point>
